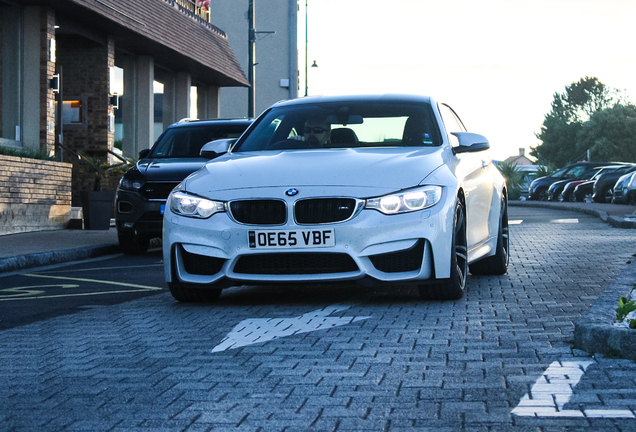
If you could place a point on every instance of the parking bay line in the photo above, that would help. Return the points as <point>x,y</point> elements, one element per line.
<point>553,390</point>
<point>138,288</point>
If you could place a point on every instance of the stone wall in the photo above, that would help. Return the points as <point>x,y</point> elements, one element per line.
<point>35,195</point>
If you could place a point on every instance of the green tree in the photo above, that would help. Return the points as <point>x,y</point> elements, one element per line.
<point>610,134</point>
<point>569,111</point>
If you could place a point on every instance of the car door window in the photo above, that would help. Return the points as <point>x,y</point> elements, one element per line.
<point>452,123</point>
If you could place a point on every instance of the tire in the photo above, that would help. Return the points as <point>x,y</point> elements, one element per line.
<point>572,197</point>
<point>452,288</point>
<point>542,194</point>
<point>133,244</point>
<point>188,294</point>
<point>608,194</point>
<point>497,264</point>
<point>631,197</point>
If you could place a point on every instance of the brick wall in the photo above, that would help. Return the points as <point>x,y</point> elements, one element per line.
<point>34,195</point>
<point>86,77</point>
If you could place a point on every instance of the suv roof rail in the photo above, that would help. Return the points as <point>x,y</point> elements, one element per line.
<point>186,120</point>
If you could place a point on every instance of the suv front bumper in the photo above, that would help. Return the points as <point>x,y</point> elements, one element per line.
<point>135,214</point>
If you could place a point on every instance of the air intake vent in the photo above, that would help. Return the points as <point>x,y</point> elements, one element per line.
<point>402,261</point>
<point>200,264</point>
<point>324,210</point>
<point>259,212</point>
<point>295,263</point>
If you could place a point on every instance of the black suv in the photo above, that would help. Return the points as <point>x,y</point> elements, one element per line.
<point>143,190</point>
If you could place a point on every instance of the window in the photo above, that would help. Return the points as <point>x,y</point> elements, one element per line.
<point>344,125</point>
<point>452,123</point>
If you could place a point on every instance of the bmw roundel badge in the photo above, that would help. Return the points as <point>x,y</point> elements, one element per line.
<point>291,192</point>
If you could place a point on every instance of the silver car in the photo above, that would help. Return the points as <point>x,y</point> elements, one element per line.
<point>382,190</point>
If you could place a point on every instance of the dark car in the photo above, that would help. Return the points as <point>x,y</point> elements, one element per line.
<point>142,192</point>
<point>555,190</point>
<point>539,188</point>
<point>581,191</point>
<point>567,187</point>
<point>604,186</point>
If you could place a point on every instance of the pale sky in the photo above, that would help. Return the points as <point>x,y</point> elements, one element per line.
<point>496,62</point>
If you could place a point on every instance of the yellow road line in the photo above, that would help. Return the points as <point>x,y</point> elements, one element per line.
<point>78,295</point>
<point>101,268</point>
<point>145,287</point>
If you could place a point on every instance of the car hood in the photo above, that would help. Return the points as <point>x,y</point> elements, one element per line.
<point>172,169</point>
<point>378,169</point>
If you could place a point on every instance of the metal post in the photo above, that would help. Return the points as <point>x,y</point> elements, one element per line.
<point>306,61</point>
<point>252,59</point>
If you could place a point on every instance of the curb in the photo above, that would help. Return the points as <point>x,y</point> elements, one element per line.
<point>614,221</point>
<point>22,262</point>
<point>594,332</point>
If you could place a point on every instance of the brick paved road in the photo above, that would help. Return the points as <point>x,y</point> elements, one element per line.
<point>405,364</point>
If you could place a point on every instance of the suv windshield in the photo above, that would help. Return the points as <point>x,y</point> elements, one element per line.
<point>186,141</point>
<point>343,125</point>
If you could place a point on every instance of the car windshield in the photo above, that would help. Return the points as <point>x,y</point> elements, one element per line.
<point>344,125</point>
<point>186,142</point>
<point>605,170</point>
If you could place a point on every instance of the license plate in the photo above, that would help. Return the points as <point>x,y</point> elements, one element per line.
<point>287,239</point>
<point>163,208</point>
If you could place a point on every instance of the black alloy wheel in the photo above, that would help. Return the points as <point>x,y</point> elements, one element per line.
<point>133,244</point>
<point>453,287</point>
<point>497,264</point>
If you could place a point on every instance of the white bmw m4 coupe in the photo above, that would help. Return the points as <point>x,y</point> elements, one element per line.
<point>388,189</point>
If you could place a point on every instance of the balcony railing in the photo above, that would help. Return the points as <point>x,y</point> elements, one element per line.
<point>191,6</point>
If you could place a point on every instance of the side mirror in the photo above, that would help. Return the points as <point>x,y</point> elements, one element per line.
<point>216,148</point>
<point>144,153</point>
<point>470,142</point>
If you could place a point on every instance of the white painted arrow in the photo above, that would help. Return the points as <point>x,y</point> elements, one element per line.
<point>257,330</point>
<point>554,389</point>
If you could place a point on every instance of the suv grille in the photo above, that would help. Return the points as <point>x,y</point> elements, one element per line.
<point>259,212</point>
<point>401,261</point>
<point>324,210</point>
<point>295,263</point>
<point>152,190</point>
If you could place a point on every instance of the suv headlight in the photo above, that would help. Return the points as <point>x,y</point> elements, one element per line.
<point>407,201</point>
<point>188,205</point>
<point>129,184</point>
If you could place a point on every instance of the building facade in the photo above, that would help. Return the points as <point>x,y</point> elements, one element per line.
<point>64,53</point>
<point>275,51</point>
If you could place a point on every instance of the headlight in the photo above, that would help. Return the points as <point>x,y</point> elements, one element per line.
<point>130,184</point>
<point>413,200</point>
<point>191,206</point>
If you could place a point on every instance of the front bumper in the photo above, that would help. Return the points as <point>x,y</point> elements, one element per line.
<point>408,248</point>
<point>135,214</point>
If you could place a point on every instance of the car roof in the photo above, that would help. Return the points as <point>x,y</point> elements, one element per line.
<point>404,98</point>
<point>220,122</point>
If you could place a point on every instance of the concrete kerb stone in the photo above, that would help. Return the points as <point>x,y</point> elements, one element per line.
<point>594,332</point>
<point>21,262</point>
<point>614,221</point>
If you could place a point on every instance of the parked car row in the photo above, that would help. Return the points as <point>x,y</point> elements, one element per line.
<point>601,182</point>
